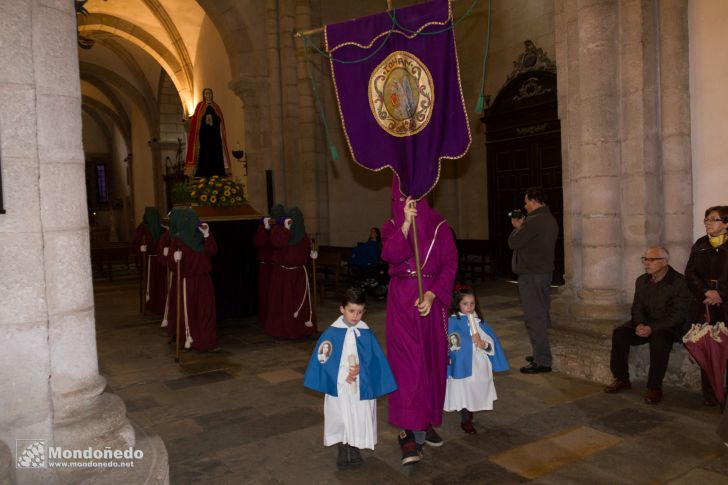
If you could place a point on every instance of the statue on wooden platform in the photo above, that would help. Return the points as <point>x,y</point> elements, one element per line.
<point>207,152</point>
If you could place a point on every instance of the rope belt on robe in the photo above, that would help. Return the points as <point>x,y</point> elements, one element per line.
<point>411,274</point>
<point>188,337</point>
<point>306,293</point>
<point>149,268</point>
<point>166,300</point>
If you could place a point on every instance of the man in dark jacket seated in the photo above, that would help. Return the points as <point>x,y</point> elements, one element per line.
<point>659,312</point>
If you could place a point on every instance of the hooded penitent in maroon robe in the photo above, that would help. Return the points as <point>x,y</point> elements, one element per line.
<point>417,346</point>
<point>290,313</point>
<point>198,294</point>
<point>154,275</point>
<point>198,318</point>
<point>262,243</point>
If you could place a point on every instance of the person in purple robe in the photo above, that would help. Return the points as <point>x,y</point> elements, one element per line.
<point>417,331</point>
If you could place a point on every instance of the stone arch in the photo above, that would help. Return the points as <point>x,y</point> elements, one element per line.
<point>232,19</point>
<point>91,111</point>
<point>116,105</point>
<point>179,46</point>
<point>180,73</point>
<point>130,62</point>
<point>101,109</point>
<point>98,75</point>
<point>146,104</point>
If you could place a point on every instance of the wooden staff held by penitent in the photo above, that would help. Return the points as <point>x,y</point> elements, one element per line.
<point>179,277</point>
<point>313,266</point>
<point>143,281</point>
<point>418,268</point>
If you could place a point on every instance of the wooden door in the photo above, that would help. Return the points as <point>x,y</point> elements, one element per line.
<point>523,149</point>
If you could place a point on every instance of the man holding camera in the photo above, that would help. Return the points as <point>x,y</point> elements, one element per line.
<point>533,241</point>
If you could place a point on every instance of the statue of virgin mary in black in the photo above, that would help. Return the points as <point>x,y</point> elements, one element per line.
<point>207,153</point>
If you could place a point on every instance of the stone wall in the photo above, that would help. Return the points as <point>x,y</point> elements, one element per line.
<point>51,388</point>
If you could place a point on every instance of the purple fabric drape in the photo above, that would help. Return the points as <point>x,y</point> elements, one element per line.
<point>402,107</point>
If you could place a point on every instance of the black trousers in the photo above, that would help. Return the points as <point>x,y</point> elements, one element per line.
<point>535,299</point>
<point>660,342</point>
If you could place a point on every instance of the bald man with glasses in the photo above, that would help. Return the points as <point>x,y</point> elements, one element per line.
<point>659,312</point>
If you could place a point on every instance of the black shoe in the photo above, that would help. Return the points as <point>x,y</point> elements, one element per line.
<point>529,358</point>
<point>467,424</point>
<point>534,368</point>
<point>343,459</point>
<point>432,438</point>
<point>355,456</point>
<point>618,385</point>
<point>408,446</point>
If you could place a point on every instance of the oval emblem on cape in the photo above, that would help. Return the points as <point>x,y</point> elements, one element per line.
<point>401,94</point>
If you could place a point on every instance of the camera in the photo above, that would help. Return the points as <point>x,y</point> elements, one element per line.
<point>516,214</point>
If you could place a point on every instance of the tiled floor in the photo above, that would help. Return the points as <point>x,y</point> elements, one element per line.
<point>243,416</point>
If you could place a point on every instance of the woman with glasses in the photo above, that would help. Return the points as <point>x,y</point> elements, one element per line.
<point>707,278</point>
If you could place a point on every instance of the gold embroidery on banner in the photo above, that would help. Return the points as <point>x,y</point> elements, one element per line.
<point>401,94</point>
<point>389,166</point>
<point>387,32</point>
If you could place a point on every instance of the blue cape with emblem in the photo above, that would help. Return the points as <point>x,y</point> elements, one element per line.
<point>375,376</point>
<point>461,357</point>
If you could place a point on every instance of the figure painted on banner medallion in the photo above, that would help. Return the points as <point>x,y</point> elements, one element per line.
<point>401,90</point>
<point>401,94</point>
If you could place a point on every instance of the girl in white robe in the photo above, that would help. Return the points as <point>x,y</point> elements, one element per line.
<point>470,384</point>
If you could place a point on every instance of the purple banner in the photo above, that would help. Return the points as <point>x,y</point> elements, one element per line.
<point>399,94</point>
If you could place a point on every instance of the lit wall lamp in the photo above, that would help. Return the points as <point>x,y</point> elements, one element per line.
<point>239,155</point>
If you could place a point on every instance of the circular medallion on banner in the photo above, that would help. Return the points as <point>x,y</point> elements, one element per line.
<point>401,94</point>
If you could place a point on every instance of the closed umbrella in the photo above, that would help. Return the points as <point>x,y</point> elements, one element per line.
<point>708,345</point>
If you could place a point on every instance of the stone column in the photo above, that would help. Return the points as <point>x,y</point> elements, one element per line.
<point>677,183</point>
<point>639,116</point>
<point>597,170</point>
<point>282,132</point>
<point>276,163</point>
<point>623,102</point>
<point>587,49</point>
<point>312,149</point>
<point>51,388</point>
<point>567,60</point>
<point>157,168</point>
<point>258,145</point>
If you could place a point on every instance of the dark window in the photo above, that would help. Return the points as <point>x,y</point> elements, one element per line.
<point>102,193</point>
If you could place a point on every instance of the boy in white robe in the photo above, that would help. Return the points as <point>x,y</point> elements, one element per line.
<point>349,366</point>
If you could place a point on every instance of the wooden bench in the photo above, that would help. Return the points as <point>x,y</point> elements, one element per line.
<point>332,272</point>
<point>475,259</point>
<point>104,255</point>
